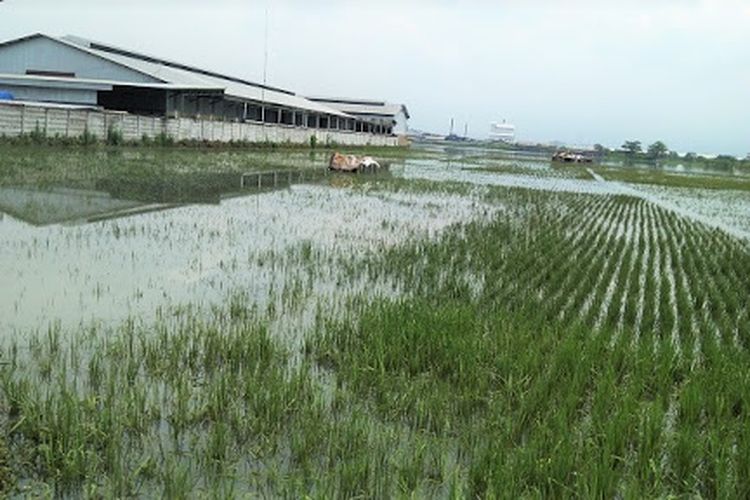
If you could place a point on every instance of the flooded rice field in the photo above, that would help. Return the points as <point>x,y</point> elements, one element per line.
<point>464,323</point>
<point>72,274</point>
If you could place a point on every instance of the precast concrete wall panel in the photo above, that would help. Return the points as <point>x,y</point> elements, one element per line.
<point>18,119</point>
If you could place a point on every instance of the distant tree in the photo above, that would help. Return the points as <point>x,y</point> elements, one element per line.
<point>657,150</point>
<point>724,161</point>
<point>690,157</point>
<point>727,158</point>
<point>600,150</point>
<point>632,148</point>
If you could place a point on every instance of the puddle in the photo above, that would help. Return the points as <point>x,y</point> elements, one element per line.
<point>436,171</point>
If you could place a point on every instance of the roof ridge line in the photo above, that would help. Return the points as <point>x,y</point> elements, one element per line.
<point>94,45</point>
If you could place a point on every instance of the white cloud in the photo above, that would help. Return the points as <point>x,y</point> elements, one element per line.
<point>584,70</point>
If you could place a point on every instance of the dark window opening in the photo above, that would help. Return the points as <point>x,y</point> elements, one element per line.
<point>287,117</point>
<point>139,101</point>
<point>272,115</point>
<point>58,74</point>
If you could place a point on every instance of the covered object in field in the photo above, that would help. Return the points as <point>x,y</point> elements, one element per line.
<point>352,163</point>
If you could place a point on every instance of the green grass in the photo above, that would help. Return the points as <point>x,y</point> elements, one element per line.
<point>84,167</point>
<point>563,345</point>
<point>664,178</point>
<point>567,171</point>
<point>539,407</point>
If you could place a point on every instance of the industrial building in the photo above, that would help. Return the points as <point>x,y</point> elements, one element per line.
<point>503,132</point>
<point>75,71</point>
<point>394,117</point>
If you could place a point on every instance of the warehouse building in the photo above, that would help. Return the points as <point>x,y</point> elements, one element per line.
<point>394,117</point>
<point>75,71</point>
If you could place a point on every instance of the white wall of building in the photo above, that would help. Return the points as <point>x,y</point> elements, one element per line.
<point>402,124</point>
<point>17,119</point>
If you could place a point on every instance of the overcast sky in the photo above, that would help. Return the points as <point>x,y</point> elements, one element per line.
<point>576,71</point>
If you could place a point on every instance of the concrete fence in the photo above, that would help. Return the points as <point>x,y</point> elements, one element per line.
<point>17,119</point>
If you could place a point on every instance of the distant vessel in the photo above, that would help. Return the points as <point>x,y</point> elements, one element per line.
<point>503,132</point>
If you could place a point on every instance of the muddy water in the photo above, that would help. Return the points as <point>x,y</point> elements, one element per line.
<point>141,257</point>
<point>133,266</point>
<point>540,176</point>
<point>722,209</point>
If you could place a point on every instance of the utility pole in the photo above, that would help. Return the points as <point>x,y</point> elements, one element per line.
<point>451,126</point>
<point>265,74</point>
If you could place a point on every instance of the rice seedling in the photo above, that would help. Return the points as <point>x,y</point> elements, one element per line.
<point>433,333</point>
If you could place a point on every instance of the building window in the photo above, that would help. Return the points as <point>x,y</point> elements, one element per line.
<point>57,74</point>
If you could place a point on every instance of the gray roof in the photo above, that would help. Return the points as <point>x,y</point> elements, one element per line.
<point>89,84</point>
<point>181,74</point>
<point>187,77</point>
<point>362,106</point>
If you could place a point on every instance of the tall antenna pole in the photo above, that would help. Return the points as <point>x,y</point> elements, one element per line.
<point>265,72</point>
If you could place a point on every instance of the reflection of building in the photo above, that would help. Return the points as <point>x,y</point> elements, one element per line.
<point>504,132</point>
<point>119,196</point>
<point>43,207</point>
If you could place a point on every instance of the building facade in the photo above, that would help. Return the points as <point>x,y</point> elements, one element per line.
<point>503,132</point>
<point>394,117</point>
<point>75,71</point>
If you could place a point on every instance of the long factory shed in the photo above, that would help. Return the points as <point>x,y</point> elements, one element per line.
<point>75,71</point>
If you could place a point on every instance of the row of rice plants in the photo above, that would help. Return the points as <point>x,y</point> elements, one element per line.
<point>510,378</point>
<point>471,383</point>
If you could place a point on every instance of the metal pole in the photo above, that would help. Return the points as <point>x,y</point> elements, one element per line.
<point>265,73</point>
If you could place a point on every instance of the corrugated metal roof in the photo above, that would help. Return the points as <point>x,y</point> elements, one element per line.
<point>183,75</point>
<point>84,83</point>
<point>362,106</point>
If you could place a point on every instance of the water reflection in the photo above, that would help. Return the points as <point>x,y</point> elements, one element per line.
<point>119,196</point>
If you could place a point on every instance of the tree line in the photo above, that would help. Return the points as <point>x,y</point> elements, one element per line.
<point>660,151</point>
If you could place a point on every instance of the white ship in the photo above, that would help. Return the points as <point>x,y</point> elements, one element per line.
<point>504,132</point>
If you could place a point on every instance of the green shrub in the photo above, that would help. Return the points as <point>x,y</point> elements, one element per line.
<point>87,138</point>
<point>38,135</point>
<point>164,139</point>
<point>115,137</point>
